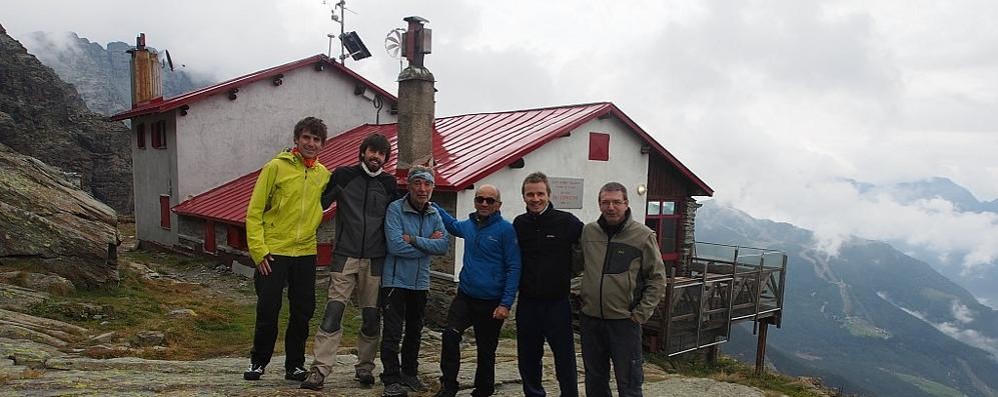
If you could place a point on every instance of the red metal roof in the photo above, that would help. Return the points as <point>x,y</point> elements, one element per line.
<point>162,105</point>
<point>466,148</point>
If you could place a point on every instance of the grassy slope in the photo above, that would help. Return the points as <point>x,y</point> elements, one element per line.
<point>223,325</point>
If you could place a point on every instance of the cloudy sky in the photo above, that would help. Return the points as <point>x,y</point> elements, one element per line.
<point>772,103</point>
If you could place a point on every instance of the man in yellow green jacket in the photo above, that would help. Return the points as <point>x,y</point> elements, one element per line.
<point>283,215</point>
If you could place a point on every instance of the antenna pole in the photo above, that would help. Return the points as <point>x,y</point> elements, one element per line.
<point>343,5</point>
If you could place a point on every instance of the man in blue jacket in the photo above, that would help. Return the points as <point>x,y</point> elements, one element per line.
<point>413,233</point>
<point>489,280</point>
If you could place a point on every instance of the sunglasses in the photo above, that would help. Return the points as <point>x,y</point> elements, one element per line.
<point>486,200</point>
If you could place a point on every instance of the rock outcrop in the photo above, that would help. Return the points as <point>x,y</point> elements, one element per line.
<point>43,117</point>
<point>47,223</point>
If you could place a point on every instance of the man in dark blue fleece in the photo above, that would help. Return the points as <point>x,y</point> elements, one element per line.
<point>546,236</point>
<point>489,280</point>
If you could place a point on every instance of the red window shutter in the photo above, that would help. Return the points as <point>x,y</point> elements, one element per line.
<point>232,239</point>
<point>209,237</point>
<point>140,135</point>
<point>599,146</point>
<point>164,211</point>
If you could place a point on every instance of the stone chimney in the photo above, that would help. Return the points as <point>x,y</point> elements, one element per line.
<point>416,103</point>
<point>146,83</point>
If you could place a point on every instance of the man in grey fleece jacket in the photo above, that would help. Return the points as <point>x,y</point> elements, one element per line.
<point>622,281</point>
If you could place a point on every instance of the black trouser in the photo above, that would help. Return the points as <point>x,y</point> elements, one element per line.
<point>298,273</point>
<point>538,320</point>
<point>465,312</point>
<point>611,340</point>
<point>398,306</point>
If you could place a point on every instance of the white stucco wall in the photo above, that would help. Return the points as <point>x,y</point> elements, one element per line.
<point>222,139</point>
<point>154,173</point>
<point>568,157</point>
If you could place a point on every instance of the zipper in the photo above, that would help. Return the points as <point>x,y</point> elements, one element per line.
<point>415,282</point>
<point>363,218</point>
<point>301,214</point>
<point>606,261</point>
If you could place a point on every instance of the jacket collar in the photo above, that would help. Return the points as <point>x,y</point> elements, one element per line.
<point>611,230</point>
<point>546,211</point>
<point>494,218</point>
<point>407,206</point>
<point>296,160</point>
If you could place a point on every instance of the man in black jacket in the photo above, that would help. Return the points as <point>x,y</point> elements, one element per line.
<point>362,193</point>
<point>546,237</point>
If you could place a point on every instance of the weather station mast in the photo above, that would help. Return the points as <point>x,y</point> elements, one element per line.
<point>350,44</point>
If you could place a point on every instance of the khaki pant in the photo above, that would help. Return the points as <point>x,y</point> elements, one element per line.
<point>356,272</point>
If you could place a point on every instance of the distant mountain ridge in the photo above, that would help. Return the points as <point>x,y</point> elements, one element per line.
<point>870,319</point>
<point>101,75</point>
<point>984,280</point>
<point>935,187</point>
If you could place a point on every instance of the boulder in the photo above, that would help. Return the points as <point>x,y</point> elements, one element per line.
<point>183,313</point>
<point>49,283</point>
<point>16,297</point>
<point>148,338</point>
<point>47,223</point>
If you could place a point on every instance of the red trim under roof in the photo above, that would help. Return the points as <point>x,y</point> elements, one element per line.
<point>466,148</point>
<point>162,105</point>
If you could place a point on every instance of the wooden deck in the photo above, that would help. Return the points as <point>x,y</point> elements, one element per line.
<point>727,285</point>
<point>698,310</point>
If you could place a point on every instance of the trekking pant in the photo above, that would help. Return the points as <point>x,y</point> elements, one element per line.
<point>344,274</point>
<point>298,273</point>
<point>618,341</point>
<point>398,306</point>
<point>465,312</point>
<point>539,320</point>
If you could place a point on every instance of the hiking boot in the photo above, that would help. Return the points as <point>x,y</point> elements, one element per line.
<point>314,380</point>
<point>413,383</point>
<point>253,372</point>
<point>395,390</point>
<point>298,374</point>
<point>364,376</point>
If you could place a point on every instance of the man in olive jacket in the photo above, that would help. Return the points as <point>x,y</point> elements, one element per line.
<point>622,281</point>
<point>281,220</point>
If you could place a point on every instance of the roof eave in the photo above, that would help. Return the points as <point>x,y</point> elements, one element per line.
<point>196,95</point>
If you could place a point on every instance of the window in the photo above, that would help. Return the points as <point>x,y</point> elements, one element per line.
<point>140,135</point>
<point>164,211</point>
<point>159,135</point>
<point>664,218</point>
<point>599,146</point>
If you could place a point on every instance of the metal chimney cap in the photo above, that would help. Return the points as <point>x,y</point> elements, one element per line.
<point>415,19</point>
